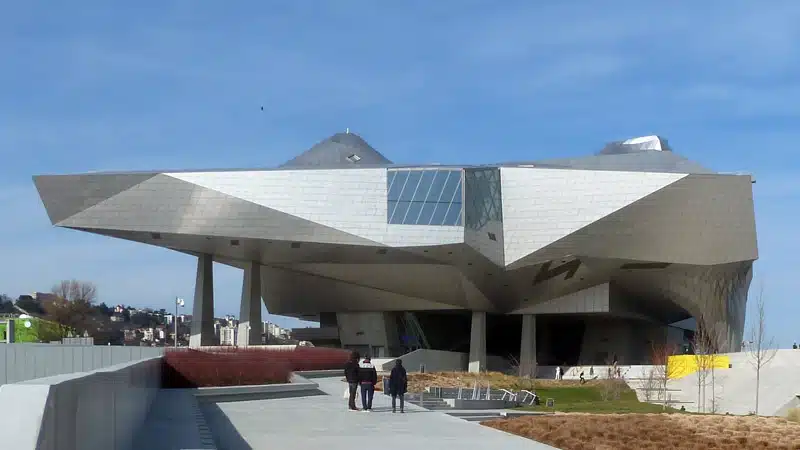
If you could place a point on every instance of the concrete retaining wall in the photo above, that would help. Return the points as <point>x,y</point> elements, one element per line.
<point>101,410</point>
<point>20,362</point>
<point>440,361</point>
<point>433,360</point>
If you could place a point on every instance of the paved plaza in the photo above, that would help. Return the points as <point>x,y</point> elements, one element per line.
<point>323,422</point>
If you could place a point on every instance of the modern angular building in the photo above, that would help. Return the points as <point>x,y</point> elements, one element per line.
<point>564,261</point>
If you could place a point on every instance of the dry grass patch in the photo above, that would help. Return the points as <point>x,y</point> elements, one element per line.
<point>654,431</point>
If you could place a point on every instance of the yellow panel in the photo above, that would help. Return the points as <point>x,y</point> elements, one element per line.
<point>684,365</point>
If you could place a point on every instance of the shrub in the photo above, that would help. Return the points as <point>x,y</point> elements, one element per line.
<point>188,368</point>
<point>793,415</point>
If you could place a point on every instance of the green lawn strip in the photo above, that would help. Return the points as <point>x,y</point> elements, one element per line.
<point>39,331</point>
<point>590,400</point>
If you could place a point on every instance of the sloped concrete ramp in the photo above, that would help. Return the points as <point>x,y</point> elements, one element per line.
<point>323,422</point>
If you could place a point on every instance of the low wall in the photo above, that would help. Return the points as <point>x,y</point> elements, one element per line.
<point>102,409</point>
<point>298,386</point>
<point>433,360</point>
<point>456,403</point>
<point>594,372</point>
<point>440,361</point>
<point>20,362</point>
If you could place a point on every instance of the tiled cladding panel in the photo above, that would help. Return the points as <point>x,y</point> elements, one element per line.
<point>717,293</point>
<point>168,205</point>
<point>425,197</point>
<point>66,195</point>
<point>591,300</point>
<point>700,219</point>
<point>439,283</point>
<point>541,206</point>
<point>350,200</point>
<point>293,292</point>
<point>353,201</point>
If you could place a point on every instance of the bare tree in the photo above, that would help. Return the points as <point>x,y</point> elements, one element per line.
<point>703,353</point>
<point>762,348</point>
<point>663,370</point>
<point>611,387</point>
<point>70,306</point>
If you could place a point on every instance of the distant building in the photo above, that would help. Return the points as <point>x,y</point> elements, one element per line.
<point>227,335</point>
<point>276,331</point>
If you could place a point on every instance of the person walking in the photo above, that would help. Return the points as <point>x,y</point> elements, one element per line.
<point>367,378</point>
<point>398,385</point>
<point>352,375</point>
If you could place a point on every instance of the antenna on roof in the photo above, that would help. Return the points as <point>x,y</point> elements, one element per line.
<point>347,131</point>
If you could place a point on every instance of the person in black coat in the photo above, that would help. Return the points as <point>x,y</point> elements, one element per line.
<point>352,375</point>
<point>368,378</point>
<point>398,385</point>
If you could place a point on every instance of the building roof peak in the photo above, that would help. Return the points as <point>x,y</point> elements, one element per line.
<point>341,149</point>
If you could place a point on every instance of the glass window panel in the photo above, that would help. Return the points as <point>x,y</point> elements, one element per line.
<point>453,216</point>
<point>457,198</point>
<point>438,214</point>
<point>424,185</point>
<point>390,174</point>
<point>427,213</point>
<point>399,212</point>
<point>414,177</point>
<point>453,181</point>
<point>391,205</point>
<point>437,185</point>
<point>413,212</point>
<point>397,185</point>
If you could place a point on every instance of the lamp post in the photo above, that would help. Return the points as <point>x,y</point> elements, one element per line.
<point>178,302</point>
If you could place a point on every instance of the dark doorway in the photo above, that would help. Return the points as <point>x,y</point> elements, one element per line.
<point>446,330</point>
<point>503,335</point>
<point>559,339</point>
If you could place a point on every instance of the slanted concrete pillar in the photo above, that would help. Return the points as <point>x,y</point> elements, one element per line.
<point>203,309</point>
<point>527,350</point>
<point>477,343</point>
<point>250,309</point>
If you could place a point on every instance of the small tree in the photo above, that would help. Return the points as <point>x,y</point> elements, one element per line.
<point>762,348</point>
<point>701,344</point>
<point>663,370</point>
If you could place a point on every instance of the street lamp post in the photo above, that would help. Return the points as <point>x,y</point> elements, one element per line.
<point>178,302</point>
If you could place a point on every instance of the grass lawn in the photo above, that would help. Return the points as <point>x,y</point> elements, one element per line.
<point>569,395</point>
<point>589,399</point>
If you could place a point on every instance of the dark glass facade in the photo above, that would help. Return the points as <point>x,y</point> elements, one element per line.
<point>425,197</point>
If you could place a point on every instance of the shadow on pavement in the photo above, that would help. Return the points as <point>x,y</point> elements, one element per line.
<point>226,436</point>
<point>223,398</point>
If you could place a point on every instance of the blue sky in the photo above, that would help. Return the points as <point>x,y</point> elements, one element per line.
<point>179,84</point>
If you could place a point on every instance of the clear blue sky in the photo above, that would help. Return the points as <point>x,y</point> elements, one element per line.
<point>97,85</point>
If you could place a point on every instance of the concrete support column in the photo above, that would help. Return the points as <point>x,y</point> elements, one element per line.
<point>477,343</point>
<point>527,350</point>
<point>250,309</point>
<point>203,309</point>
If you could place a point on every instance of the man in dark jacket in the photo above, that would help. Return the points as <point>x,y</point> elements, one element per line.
<point>351,374</point>
<point>368,378</point>
<point>398,384</point>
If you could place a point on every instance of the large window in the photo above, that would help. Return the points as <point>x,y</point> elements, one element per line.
<point>484,202</point>
<point>425,197</point>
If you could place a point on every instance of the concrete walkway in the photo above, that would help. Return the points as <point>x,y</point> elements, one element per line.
<point>323,422</point>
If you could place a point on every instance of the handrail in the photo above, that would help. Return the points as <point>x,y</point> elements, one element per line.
<point>511,396</point>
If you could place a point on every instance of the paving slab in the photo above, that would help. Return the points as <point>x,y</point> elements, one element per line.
<point>174,422</point>
<point>323,421</point>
